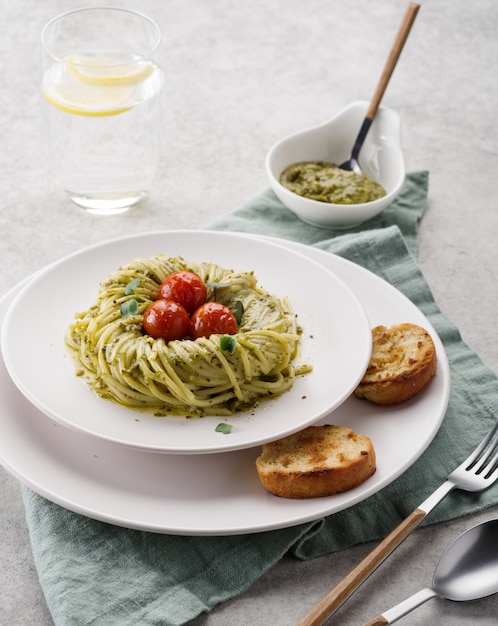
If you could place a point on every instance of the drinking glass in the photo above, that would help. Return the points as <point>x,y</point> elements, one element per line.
<point>102,88</point>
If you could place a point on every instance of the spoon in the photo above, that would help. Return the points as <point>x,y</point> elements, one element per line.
<point>468,570</point>
<point>352,163</point>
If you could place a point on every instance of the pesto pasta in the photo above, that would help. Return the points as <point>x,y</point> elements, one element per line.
<point>185,377</point>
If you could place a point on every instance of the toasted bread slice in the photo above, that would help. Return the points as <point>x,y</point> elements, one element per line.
<point>402,363</point>
<point>317,461</point>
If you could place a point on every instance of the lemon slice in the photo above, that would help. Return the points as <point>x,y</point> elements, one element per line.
<point>92,70</point>
<point>89,100</point>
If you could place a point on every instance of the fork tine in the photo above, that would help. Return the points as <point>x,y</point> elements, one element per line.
<point>484,462</point>
<point>492,476</point>
<point>491,466</point>
<point>471,460</point>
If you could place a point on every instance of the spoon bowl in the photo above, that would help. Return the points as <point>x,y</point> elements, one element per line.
<point>468,570</point>
<point>381,159</point>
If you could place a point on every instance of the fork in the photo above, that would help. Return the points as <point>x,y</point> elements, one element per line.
<point>478,472</point>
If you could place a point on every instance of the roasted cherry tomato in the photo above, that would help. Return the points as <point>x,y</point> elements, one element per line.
<point>212,318</point>
<point>166,319</point>
<point>184,287</point>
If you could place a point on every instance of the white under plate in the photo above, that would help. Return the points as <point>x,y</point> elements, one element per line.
<point>336,341</point>
<point>217,494</point>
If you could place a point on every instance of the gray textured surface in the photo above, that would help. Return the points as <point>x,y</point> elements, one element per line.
<point>241,75</point>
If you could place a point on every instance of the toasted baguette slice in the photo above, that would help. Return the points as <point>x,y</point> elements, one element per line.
<point>317,461</point>
<point>402,363</point>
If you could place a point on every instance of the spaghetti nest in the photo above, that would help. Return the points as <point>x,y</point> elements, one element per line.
<point>185,377</point>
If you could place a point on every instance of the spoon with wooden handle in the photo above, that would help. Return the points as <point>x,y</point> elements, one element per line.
<point>403,32</point>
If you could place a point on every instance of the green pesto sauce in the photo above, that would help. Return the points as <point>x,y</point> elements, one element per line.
<point>325,182</point>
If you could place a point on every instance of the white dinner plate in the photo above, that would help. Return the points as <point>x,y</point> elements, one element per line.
<point>336,341</point>
<point>216,494</point>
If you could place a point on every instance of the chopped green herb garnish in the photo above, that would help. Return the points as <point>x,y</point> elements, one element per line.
<point>130,307</point>
<point>216,286</point>
<point>131,286</point>
<point>224,428</point>
<point>228,342</point>
<point>238,311</point>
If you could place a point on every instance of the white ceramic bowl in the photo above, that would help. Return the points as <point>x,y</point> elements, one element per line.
<point>381,159</point>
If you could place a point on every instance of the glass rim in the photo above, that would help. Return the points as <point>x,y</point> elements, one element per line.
<point>96,9</point>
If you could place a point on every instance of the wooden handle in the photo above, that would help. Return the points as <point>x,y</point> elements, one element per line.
<point>393,57</point>
<point>376,621</point>
<point>333,600</point>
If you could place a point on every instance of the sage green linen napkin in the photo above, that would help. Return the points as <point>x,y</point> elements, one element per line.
<point>99,574</point>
